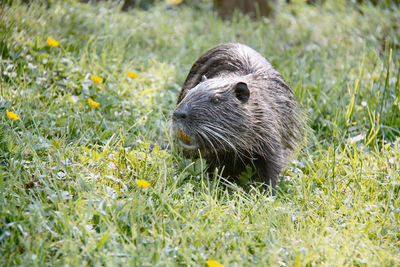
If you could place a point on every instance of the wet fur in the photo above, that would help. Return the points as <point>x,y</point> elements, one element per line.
<point>264,130</point>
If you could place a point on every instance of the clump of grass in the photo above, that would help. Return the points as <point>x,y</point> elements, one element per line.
<point>70,190</point>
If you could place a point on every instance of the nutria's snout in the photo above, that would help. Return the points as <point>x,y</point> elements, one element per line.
<point>180,119</point>
<point>181,113</point>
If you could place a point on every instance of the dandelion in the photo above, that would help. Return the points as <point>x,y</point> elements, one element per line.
<point>132,75</point>
<point>51,42</point>
<point>93,103</point>
<point>97,79</point>
<point>12,115</point>
<point>142,183</point>
<point>174,2</point>
<point>213,263</point>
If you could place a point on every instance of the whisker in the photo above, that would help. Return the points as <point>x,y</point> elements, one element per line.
<point>212,133</point>
<point>205,137</point>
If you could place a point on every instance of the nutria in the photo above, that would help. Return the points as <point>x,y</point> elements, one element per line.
<point>237,110</point>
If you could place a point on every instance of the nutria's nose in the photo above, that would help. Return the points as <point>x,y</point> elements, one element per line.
<point>181,112</point>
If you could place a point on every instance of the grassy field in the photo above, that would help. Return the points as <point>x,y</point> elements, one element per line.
<point>68,185</point>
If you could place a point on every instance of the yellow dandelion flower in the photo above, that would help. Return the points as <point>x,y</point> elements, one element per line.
<point>93,103</point>
<point>174,2</point>
<point>51,42</point>
<point>142,183</point>
<point>213,263</point>
<point>97,79</point>
<point>12,115</point>
<point>132,75</point>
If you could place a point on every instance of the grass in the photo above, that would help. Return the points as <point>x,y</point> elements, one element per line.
<point>68,194</point>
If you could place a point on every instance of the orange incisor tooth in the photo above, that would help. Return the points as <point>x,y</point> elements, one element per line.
<point>183,136</point>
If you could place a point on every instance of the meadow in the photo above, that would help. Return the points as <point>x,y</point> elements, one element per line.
<point>75,191</point>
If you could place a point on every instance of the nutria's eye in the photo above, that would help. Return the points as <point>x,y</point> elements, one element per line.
<point>215,99</point>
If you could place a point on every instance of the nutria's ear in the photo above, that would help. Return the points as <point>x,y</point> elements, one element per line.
<point>242,92</point>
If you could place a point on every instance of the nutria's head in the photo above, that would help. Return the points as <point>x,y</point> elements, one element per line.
<point>213,116</point>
